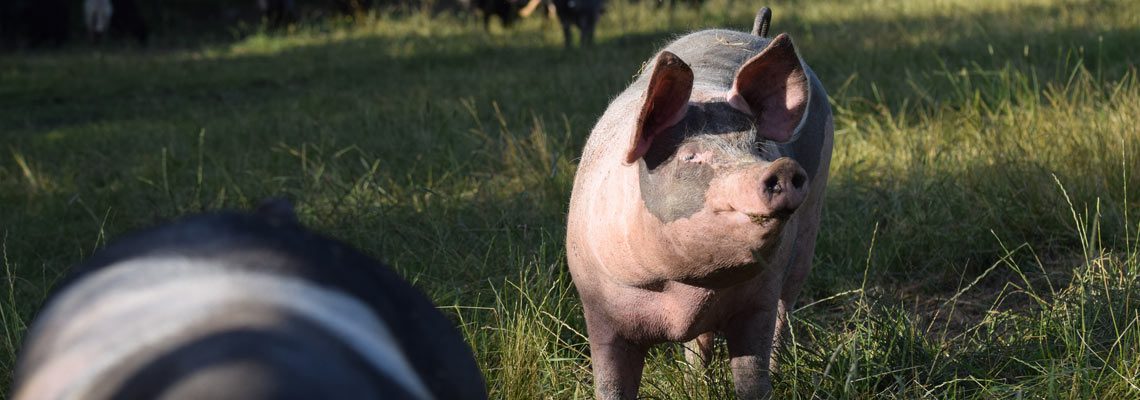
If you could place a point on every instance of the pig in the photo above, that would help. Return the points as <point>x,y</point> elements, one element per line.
<point>583,14</point>
<point>696,206</point>
<point>241,306</point>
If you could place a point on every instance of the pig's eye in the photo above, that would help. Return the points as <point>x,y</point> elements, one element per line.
<point>690,157</point>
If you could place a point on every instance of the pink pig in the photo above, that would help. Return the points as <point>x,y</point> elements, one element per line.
<point>696,206</point>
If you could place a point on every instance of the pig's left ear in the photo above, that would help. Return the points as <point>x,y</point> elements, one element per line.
<point>773,87</point>
<point>665,102</point>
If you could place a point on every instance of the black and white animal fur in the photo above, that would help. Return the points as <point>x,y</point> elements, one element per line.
<point>233,305</point>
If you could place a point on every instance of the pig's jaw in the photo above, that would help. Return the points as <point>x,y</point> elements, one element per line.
<point>711,248</point>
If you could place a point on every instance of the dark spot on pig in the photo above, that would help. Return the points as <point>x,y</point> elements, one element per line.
<point>674,188</point>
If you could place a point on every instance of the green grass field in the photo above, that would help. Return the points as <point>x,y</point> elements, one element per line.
<point>979,237</point>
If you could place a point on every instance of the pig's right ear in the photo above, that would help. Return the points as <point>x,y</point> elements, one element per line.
<point>665,102</point>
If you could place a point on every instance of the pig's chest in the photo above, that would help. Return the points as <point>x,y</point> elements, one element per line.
<point>679,312</point>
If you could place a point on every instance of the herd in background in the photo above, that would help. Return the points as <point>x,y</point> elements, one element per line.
<point>581,14</point>
<point>48,23</point>
<point>45,23</point>
<point>100,16</point>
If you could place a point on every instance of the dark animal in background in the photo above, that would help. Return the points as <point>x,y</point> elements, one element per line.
<point>277,13</point>
<point>97,18</point>
<point>128,21</point>
<point>353,7</point>
<point>41,22</point>
<point>673,3</point>
<point>506,10</point>
<point>241,306</point>
<point>534,5</point>
<point>696,206</point>
<point>582,14</point>
<point>8,30</point>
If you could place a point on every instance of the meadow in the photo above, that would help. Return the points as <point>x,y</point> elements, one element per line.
<point>979,238</point>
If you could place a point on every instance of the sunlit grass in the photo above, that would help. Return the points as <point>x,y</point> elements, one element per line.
<point>979,238</point>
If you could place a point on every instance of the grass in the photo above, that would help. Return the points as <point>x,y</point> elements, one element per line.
<point>979,237</point>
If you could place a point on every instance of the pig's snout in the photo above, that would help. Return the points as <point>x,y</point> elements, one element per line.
<point>783,187</point>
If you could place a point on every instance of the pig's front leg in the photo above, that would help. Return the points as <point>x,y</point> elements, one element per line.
<point>617,362</point>
<point>699,352</point>
<point>793,283</point>
<point>749,337</point>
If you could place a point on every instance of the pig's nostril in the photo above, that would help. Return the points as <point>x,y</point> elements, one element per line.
<point>772,184</point>
<point>798,180</point>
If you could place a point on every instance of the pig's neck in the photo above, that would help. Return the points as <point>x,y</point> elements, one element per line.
<point>644,239</point>
<point>650,248</point>
<point>617,232</point>
<point>667,256</point>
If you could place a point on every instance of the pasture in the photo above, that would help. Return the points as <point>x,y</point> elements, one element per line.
<point>979,238</point>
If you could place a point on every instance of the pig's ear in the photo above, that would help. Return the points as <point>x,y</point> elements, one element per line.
<point>773,87</point>
<point>665,102</point>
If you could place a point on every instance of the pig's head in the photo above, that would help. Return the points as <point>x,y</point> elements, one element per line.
<point>718,197</point>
